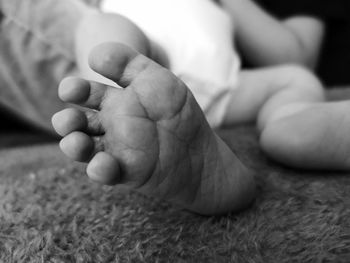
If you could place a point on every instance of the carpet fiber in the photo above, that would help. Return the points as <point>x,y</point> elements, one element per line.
<point>50,212</point>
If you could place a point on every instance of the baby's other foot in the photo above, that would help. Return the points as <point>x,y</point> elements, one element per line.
<point>150,135</point>
<point>314,138</point>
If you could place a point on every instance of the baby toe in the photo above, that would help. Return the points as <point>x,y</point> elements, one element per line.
<point>74,90</point>
<point>78,146</point>
<point>89,94</point>
<point>103,168</point>
<point>69,120</point>
<point>119,62</point>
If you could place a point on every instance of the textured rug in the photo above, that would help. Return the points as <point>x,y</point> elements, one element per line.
<point>51,212</point>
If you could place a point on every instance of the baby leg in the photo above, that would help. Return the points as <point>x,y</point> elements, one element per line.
<point>272,93</point>
<point>297,127</point>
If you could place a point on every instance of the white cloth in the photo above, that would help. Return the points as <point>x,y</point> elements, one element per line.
<point>197,37</point>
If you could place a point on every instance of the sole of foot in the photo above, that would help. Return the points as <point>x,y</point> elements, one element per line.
<point>150,135</point>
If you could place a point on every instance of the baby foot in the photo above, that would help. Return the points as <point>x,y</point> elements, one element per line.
<point>150,135</point>
<point>315,138</point>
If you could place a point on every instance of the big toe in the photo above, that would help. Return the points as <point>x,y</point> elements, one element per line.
<point>159,91</point>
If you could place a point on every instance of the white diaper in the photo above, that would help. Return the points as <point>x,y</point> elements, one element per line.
<point>197,37</point>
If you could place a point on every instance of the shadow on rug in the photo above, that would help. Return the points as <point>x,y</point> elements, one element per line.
<point>50,212</point>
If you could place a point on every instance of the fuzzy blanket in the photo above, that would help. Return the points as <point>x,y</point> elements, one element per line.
<point>51,212</point>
